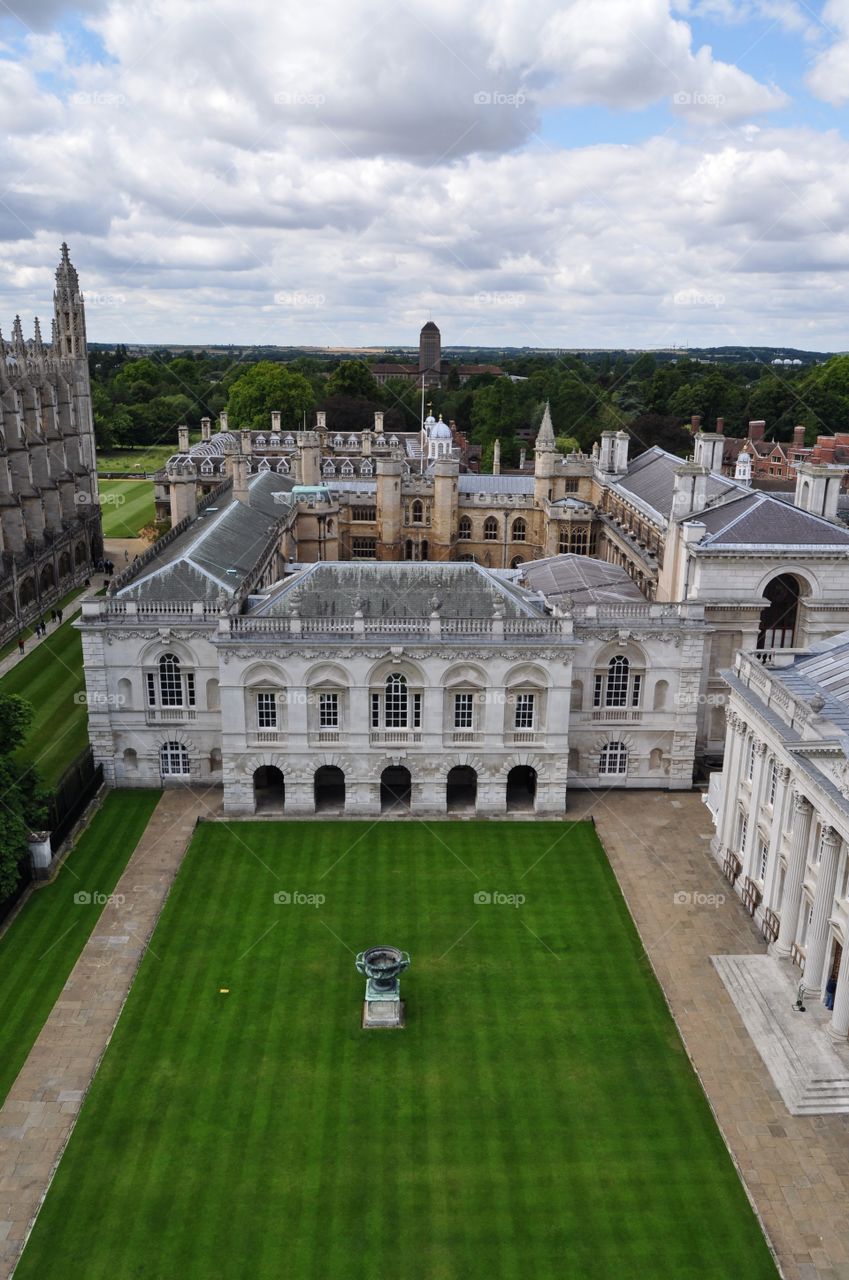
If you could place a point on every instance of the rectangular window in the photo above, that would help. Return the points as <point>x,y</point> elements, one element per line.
<point>151,689</point>
<point>598,689</point>
<point>190,688</point>
<point>363,514</point>
<point>750,760</point>
<point>524,716</point>
<point>636,689</point>
<point>744,826</point>
<point>572,484</point>
<point>762,857</point>
<point>417,711</point>
<point>375,711</point>
<point>773,782</point>
<point>363,548</point>
<point>328,710</point>
<point>266,710</point>
<point>464,710</point>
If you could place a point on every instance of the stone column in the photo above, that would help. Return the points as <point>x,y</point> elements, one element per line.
<point>750,853</point>
<point>778,825</point>
<point>838,1028</point>
<point>802,814</point>
<point>823,902</point>
<point>731,772</point>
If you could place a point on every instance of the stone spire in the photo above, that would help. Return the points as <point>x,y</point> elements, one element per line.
<point>38,343</point>
<point>545,435</point>
<point>18,345</point>
<point>68,309</point>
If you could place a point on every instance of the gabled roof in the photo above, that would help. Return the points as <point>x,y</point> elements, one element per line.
<point>571,579</point>
<point>759,519</point>
<point>651,479</point>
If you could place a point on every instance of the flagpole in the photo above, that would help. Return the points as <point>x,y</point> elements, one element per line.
<point>421,432</point>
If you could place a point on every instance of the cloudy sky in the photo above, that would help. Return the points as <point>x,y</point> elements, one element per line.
<point>588,172</point>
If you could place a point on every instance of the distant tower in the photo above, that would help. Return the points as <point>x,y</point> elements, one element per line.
<point>743,469</point>
<point>68,310</point>
<point>430,354</point>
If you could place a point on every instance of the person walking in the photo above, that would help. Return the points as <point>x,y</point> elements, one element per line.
<point>21,645</point>
<point>59,616</point>
<point>52,615</point>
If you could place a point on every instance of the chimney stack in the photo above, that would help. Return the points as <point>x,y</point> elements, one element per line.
<point>239,464</point>
<point>720,426</point>
<point>799,437</point>
<point>496,458</point>
<point>222,421</point>
<point>206,429</point>
<point>757,429</point>
<point>378,421</point>
<point>183,438</point>
<point>695,423</point>
<point>275,420</point>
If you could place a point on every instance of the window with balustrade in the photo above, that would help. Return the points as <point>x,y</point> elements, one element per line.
<point>328,710</point>
<point>396,706</point>
<point>170,685</point>
<point>618,685</point>
<point>266,709</point>
<point>464,710</point>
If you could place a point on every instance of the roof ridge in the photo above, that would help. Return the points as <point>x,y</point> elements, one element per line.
<point>741,515</point>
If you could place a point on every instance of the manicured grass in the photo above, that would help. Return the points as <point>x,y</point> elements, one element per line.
<point>49,678</point>
<point>148,459</point>
<point>41,945</point>
<point>28,632</point>
<point>538,1116</point>
<point>127,506</point>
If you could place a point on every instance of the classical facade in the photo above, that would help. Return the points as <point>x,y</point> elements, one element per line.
<point>332,684</point>
<point>767,572</point>
<point>50,531</point>
<point>781,810</point>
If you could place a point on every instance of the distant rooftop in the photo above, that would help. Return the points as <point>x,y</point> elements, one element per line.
<point>571,579</point>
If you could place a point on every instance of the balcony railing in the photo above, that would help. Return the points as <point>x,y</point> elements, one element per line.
<point>394,737</point>
<point>169,715</point>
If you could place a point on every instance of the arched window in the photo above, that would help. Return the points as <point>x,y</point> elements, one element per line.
<point>173,759</point>
<point>520,530</point>
<point>416,512</point>
<point>396,707</point>
<point>170,683</point>
<point>564,540</point>
<point>464,529</point>
<point>613,758</point>
<point>490,529</point>
<point>579,542</point>
<point>618,685</point>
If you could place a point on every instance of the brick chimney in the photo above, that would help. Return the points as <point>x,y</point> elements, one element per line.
<point>695,422</point>
<point>757,429</point>
<point>799,437</point>
<point>720,426</point>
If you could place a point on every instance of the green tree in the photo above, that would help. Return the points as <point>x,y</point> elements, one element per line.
<point>23,803</point>
<point>267,387</point>
<point>352,378</point>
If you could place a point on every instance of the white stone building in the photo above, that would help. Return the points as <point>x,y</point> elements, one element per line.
<point>353,686</point>
<point>781,809</point>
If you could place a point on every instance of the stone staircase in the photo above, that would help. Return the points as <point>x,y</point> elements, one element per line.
<point>809,1071</point>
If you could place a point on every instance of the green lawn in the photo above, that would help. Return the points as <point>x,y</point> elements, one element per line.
<point>43,942</point>
<point>49,678</point>
<point>28,633</point>
<point>538,1116</point>
<point>148,459</point>
<point>127,506</point>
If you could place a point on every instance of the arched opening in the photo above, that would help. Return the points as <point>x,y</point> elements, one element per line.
<point>778,619</point>
<point>425,549</point>
<point>416,512</point>
<point>408,549</point>
<point>461,789</point>
<point>655,759</point>
<point>269,788</point>
<point>125,693</point>
<point>329,789</point>
<point>396,787</point>
<point>490,529</point>
<point>213,700</point>
<point>46,579</point>
<point>215,762</point>
<point>520,530</point>
<point>661,690</point>
<point>464,529</point>
<point>26,592</point>
<point>516,561</point>
<point>64,564</point>
<point>131,761</point>
<point>521,789</point>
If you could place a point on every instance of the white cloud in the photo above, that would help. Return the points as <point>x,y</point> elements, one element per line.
<point>191,198</point>
<point>829,76</point>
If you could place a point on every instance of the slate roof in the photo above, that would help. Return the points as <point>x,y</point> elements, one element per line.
<point>651,479</point>
<point>495,484</point>
<point>580,580</point>
<point>397,590</point>
<point>218,550</point>
<point>760,519</point>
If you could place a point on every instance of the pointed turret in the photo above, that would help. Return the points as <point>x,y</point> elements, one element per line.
<point>37,342</point>
<point>18,345</point>
<point>545,435</point>
<point>68,309</point>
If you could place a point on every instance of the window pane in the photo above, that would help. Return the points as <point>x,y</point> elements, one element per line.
<point>328,710</point>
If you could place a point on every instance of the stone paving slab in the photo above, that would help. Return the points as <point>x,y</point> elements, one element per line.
<point>795,1168</point>
<point>38,1116</point>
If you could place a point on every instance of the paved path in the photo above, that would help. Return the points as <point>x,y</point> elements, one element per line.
<point>796,1168</point>
<point>70,611</point>
<point>38,1116</point>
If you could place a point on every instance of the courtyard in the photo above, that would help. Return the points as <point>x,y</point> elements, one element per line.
<point>538,1115</point>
